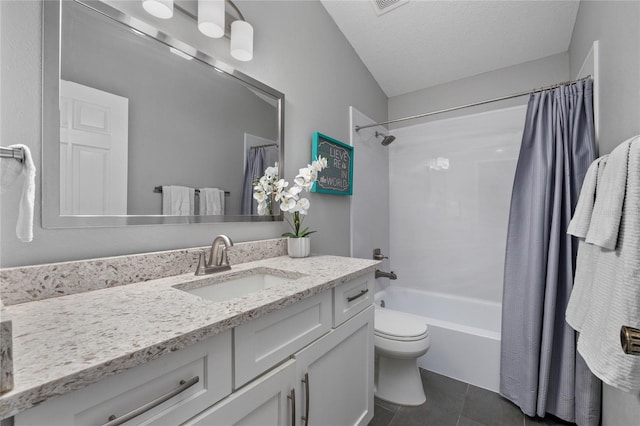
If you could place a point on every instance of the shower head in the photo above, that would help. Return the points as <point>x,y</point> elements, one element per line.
<point>386,139</point>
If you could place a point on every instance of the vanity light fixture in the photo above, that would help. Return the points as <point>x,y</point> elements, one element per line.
<point>211,16</point>
<point>241,40</point>
<point>241,36</point>
<point>162,9</point>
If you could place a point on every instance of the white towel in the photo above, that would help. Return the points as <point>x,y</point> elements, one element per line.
<point>580,299</point>
<point>606,292</point>
<point>11,169</point>
<point>579,225</point>
<point>211,201</point>
<point>607,211</point>
<point>178,200</point>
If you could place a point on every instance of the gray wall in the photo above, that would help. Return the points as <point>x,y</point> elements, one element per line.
<point>617,26</point>
<point>494,84</point>
<point>298,50</point>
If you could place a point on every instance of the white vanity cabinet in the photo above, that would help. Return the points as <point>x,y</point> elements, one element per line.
<point>206,363</point>
<point>309,363</point>
<point>328,372</point>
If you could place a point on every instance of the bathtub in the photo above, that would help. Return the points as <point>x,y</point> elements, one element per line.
<point>465,333</point>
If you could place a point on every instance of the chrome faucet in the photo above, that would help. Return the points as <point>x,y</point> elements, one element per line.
<point>218,260</point>
<point>391,275</point>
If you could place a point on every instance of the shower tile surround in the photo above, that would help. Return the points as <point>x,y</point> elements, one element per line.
<point>88,308</point>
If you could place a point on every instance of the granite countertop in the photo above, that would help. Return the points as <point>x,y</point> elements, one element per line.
<point>66,343</point>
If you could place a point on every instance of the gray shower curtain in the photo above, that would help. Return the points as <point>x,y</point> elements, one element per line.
<point>540,369</point>
<point>253,169</point>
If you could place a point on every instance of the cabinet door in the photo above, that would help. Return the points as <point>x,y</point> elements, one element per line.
<point>265,401</point>
<point>335,375</point>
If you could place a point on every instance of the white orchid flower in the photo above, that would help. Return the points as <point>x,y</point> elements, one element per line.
<point>294,191</point>
<point>260,196</point>
<point>305,173</point>
<point>281,184</point>
<point>287,204</point>
<point>279,195</point>
<point>303,205</point>
<point>322,161</point>
<point>263,209</point>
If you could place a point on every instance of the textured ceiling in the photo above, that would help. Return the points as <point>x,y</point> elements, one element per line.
<point>425,43</point>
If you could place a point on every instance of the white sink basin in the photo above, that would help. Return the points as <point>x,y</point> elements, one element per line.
<point>236,287</point>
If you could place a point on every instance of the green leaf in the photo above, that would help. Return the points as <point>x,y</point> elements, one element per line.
<point>289,234</point>
<point>305,233</point>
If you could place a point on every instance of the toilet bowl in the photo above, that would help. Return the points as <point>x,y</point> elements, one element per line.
<point>399,339</point>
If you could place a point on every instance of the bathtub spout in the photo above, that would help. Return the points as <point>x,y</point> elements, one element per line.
<point>390,275</point>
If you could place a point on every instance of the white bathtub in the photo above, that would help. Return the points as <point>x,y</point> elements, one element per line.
<point>465,333</point>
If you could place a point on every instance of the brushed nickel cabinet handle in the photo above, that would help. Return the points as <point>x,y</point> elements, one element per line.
<point>305,418</point>
<point>184,385</point>
<point>292,397</point>
<point>362,293</point>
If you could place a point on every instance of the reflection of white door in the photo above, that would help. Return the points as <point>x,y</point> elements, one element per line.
<point>93,151</point>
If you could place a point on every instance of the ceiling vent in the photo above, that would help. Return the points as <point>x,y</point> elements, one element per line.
<point>384,6</point>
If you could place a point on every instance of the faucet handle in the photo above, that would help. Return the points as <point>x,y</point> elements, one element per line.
<point>200,269</point>
<point>377,254</point>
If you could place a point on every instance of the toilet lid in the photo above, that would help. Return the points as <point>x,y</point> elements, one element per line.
<point>398,324</point>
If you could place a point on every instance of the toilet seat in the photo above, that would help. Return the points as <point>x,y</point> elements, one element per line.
<point>399,326</point>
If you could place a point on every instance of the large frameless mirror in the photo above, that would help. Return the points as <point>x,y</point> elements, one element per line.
<point>140,128</point>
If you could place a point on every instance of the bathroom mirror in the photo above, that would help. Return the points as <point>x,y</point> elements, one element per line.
<point>128,110</point>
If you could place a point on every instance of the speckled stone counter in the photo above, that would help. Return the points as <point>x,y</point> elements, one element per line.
<point>6,356</point>
<point>38,282</point>
<point>65,343</point>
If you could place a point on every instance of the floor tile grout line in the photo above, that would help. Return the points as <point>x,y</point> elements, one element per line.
<point>464,401</point>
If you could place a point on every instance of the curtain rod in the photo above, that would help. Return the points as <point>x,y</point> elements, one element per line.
<point>264,146</point>
<point>502,98</point>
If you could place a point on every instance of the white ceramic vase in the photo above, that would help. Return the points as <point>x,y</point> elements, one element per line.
<point>298,247</point>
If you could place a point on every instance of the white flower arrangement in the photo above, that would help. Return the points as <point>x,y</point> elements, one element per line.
<point>269,190</point>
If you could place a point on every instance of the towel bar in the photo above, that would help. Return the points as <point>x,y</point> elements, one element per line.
<point>630,340</point>
<point>158,189</point>
<point>17,153</point>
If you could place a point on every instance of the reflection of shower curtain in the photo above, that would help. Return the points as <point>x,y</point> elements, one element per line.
<point>253,170</point>
<point>540,369</point>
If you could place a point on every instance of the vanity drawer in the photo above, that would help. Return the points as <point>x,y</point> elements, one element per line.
<point>264,342</point>
<point>208,361</point>
<point>352,297</point>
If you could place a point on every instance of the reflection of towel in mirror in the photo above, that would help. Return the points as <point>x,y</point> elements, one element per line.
<point>606,294</point>
<point>11,169</point>
<point>211,201</point>
<point>178,200</point>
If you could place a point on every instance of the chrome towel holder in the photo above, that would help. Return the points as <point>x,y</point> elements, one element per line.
<point>17,153</point>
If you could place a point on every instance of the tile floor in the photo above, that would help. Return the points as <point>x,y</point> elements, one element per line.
<point>454,403</point>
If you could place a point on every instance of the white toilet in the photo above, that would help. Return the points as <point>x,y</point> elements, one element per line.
<point>400,338</point>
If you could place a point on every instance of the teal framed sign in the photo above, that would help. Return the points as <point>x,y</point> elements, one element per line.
<point>337,178</point>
